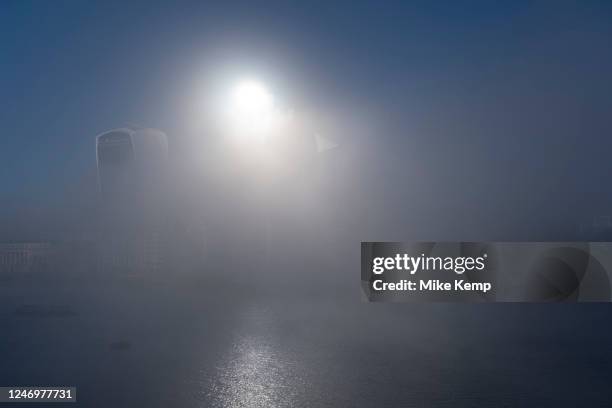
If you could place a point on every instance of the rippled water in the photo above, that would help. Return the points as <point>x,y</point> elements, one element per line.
<point>155,344</point>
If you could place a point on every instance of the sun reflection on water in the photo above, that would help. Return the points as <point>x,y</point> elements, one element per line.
<point>255,373</point>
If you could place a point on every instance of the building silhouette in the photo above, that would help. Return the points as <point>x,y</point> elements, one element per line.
<point>26,257</point>
<point>132,218</point>
<point>130,159</point>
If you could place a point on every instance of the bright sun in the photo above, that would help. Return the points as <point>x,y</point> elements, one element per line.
<point>252,111</point>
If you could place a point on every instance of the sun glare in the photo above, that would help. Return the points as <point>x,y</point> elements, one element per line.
<point>252,111</point>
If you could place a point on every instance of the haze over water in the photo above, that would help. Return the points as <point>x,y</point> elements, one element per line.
<point>450,122</point>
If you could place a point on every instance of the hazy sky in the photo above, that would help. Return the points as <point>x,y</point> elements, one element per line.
<point>472,102</point>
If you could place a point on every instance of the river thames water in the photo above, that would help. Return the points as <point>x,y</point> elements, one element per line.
<point>209,343</point>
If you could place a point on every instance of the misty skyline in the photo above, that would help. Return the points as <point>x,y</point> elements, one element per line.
<point>441,108</point>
